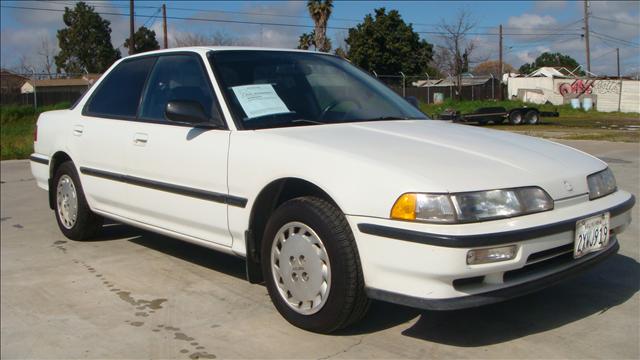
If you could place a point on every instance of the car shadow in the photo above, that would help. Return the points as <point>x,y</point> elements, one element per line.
<point>112,231</point>
<point>603,287</point>
<point>199,255</point>
<point>593,293</point>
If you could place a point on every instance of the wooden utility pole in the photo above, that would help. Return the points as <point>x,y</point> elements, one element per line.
<point>586,35</point>
<point>132,41</point>
<point>618,60</point>
<point>500,66</point>
<point>619,79</point>
<point>164,26</point>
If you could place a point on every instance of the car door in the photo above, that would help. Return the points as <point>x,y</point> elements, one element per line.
<point>180,169</point>
<point>103,132</point>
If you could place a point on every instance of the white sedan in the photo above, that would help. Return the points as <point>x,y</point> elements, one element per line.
<point>333,188</point>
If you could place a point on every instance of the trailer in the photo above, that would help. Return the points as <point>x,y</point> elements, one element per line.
<point>498,115</point>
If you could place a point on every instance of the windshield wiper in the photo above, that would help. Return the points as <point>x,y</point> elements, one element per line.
<point>308,121</point>
<point>382,118</point>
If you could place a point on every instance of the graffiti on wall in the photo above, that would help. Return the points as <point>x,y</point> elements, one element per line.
<point>579,87</point>
<point>606,87</point>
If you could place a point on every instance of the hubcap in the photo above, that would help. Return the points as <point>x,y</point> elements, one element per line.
<point>300,268</point>
<point>67,200</point>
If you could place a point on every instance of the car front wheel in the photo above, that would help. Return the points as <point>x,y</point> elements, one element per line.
<point>74,217</point>
<point>311,266</point>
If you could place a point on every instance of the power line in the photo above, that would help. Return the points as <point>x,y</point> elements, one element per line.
<point>154,16</point>
<point>280,24</point>
<point>617,42</point>
<point>114,6</point>
<point>604,54</point>
<point>615,21</point>
<point>615,38</point>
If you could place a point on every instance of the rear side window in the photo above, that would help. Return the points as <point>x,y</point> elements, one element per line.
<point>176,77</point>
<point>119,93</point>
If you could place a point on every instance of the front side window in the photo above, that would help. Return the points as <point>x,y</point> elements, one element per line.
<point>118,95</point>
<point>280,88</point>
<point>176,77</point>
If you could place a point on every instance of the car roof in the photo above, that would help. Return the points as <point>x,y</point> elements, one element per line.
<point>204,49</point>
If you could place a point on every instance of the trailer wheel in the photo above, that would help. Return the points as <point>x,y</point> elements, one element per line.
<point>515,118</point>
<point>532,117</point>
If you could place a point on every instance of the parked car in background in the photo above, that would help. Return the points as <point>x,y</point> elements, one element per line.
<point>333,188</point>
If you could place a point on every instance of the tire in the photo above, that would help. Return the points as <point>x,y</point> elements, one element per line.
<point>321,229</point>
<point>515,118</point>
<point>532,117</point>
<point>85,224</point>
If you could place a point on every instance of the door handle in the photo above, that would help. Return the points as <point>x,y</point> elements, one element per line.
<point>78,130</point>
<point>140,139</point>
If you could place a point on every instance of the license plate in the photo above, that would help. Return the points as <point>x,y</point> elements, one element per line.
<point>592,234</point>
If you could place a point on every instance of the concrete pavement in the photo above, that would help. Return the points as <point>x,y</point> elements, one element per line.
<point>134,294</point>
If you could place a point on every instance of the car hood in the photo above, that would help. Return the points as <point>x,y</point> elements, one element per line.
<point>436,156</point>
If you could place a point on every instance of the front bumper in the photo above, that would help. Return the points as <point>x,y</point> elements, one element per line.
<point>424,266</point>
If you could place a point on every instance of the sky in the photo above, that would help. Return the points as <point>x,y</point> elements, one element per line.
<point>613,24</point>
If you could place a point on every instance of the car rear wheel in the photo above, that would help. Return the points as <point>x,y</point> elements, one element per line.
<point>311,266</point>
<point>75,218</point>
<point>515,118</point>
<point>531,117</point>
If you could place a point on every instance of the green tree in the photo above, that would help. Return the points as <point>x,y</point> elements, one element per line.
<point>492,67</point>
<point>85,42</point>
<point>340,52</point>
<point>320,11</point>
<point>387,45</point>
<point>553,60</point>
<point>306,41</point>
<point>145,40</point>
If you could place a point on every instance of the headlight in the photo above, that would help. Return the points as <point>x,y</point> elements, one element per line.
<point>471,206</point>
<point>601,183</point>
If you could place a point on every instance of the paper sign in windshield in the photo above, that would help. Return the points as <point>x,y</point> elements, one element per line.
<point>259,100</point>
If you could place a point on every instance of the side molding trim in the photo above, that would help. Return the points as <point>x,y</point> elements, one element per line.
<point>171,188</point>
<point>39,160</point>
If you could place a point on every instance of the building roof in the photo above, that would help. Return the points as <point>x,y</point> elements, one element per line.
<point>466,81</point>
<point>548,71</point>
<point>5,72</point>
<point>59,82</point>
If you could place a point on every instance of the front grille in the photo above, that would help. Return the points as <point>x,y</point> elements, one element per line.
<point>461,283</point>
<point>538,262</point>
<point>541,265</point>
<point>549,253</point>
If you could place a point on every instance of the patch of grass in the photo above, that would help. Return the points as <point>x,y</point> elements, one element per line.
<point>16,129</point>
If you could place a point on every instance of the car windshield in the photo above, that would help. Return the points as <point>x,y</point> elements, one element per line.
<point>266,89</point>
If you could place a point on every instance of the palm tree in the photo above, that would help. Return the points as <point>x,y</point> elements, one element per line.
<point>320,12</point>
<point>305,41</point>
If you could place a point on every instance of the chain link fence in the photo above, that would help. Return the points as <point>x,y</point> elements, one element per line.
<point>429,90</point>
<point>34,89</point>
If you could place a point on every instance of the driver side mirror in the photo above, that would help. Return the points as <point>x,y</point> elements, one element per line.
<point>191,112</point>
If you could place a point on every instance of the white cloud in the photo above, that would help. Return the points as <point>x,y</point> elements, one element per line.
<point>531,22</point>
<point>530,55</point>
<point>546,5</point>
